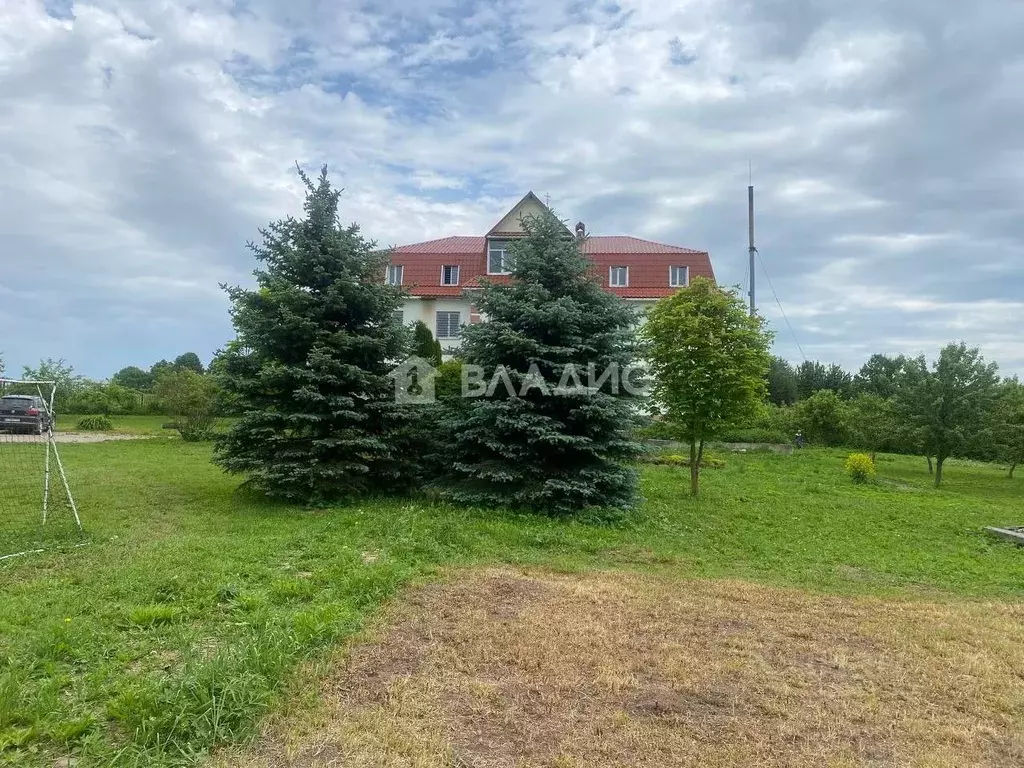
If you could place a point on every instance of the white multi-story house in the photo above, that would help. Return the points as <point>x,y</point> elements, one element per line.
<point>438,275</point>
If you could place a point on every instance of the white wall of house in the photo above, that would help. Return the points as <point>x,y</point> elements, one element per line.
<point>426,309</point>
<point>642,305</point>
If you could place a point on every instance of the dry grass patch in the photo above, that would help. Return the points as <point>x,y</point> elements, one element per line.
<point>499,669</point>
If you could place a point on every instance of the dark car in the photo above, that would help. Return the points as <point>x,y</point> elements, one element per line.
<point>24,413</point>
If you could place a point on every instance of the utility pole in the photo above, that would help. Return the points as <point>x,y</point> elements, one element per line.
<point>752,250</point>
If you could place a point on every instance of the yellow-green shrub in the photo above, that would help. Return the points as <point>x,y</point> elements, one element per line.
<point>860,467</point>
<point>677,460</point>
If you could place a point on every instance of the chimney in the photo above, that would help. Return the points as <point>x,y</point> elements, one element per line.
<point>581,230</point>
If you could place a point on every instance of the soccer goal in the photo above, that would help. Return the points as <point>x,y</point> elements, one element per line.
<point>37,509</point>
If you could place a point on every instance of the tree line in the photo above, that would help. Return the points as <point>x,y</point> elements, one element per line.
<point>131,391</point>
<point>955,406</point>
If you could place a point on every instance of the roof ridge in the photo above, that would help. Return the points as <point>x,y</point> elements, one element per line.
<point>644,240</point>
<point>446,237</point>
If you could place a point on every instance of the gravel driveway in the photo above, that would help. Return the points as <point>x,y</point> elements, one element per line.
<point>71,437</point>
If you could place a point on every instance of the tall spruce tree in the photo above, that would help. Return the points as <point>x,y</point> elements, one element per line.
<point>308,369</point>
<point>424,344</point>
<point>552,452</point>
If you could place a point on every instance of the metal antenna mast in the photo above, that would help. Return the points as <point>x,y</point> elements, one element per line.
<point>751,249</point>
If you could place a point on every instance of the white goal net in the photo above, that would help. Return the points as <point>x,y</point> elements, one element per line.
<point>37,509</point>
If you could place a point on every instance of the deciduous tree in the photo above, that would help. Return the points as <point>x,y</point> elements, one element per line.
<point>190,399</point>
<point>159,368</point>
<point>880,376</point>
<point>189,361</point>
<point>873,423</point>
<point>1008,430</point>
<point>949,403</point>
<point>824,418</point>
<point>133,377</point>
<point>810,377</point>
<point>68,383</point>
<point>710,360</point>
<point>813,376</point>
<point>838,380</point>
<point>783,387</point>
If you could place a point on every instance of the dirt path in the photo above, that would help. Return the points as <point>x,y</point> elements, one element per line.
<point>500,669</point>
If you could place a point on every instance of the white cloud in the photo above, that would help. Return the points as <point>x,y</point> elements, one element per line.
<point>898,242</point>
<point>142,143</point>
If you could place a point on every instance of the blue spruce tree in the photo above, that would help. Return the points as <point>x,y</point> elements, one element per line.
<point>534,447</point>
<point>308,369</point>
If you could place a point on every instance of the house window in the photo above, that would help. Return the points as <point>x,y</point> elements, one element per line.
<point>678,276</point>
<point>450,275</point>
<point>395,274</point>
<point>398,317</point>
<point>618,277</point>
<point>499,260</point>
<point>447,325</point>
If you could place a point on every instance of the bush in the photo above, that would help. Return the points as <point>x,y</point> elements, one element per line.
<point>194,430</point>
<point>95,424</point>
<point>677,460</point>
<point>190,399</point>
<point>874,426</point>
<point>860,467</point>
<point>448,383</point>
<point>824,418</point>
<point>658,429</point>
<point>106,399</point>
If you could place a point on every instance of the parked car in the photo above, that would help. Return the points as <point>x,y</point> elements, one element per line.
<point>24,413</point>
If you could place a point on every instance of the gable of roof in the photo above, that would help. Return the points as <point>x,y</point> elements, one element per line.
<point>511,224</point>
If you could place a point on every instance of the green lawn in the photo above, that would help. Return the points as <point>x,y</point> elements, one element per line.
<point>175,627</point>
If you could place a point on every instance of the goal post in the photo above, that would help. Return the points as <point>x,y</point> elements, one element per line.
<point>37,508</point>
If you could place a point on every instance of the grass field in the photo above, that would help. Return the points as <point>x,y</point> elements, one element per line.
<point>656,671</point>
<point>182,620</point>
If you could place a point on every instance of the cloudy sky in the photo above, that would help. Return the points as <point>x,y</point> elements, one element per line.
<point>142,142</point>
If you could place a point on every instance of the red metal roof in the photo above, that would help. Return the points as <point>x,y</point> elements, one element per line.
<point>648,264</point>
<point>631,245</point>
<point>445,245</point>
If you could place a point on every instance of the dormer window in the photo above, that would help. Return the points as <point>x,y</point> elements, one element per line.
<point>678,277</point>
<point>450,274</point>
<point>395,274</point>
<point>499,260</point>
<point>618,277</point>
